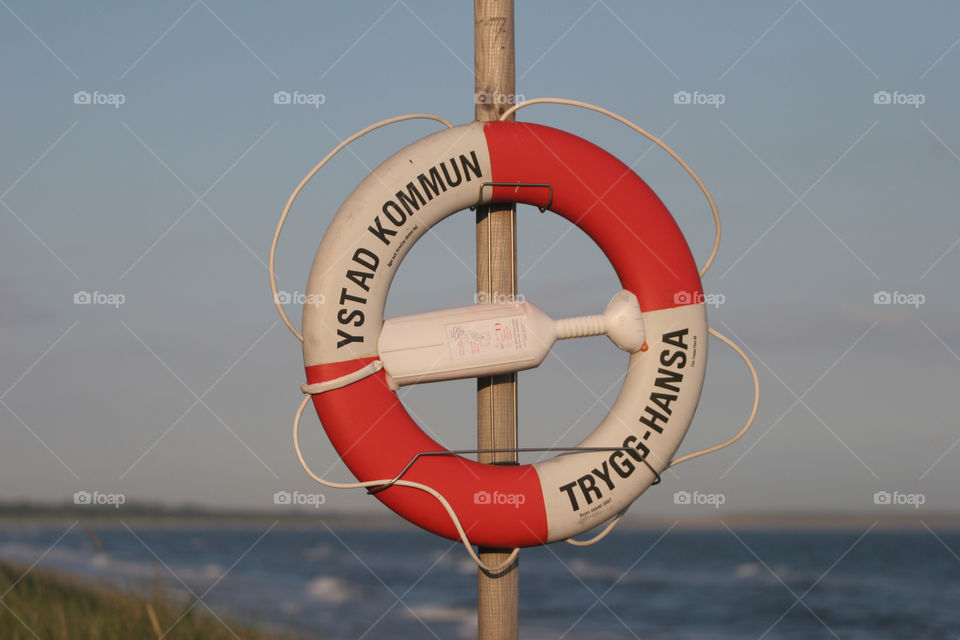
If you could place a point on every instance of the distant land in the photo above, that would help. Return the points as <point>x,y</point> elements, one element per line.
<point>12,512</point>
<point>186,514</point>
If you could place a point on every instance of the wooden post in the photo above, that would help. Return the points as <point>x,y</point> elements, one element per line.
<point>497,594</point>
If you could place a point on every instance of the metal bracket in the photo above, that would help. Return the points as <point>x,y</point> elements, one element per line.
<point>542,185</point>
<point>564,450</point>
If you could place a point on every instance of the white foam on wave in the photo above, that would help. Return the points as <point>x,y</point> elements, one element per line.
<point>17,551</point>
<point>104,564</point>
<point>100,560</point>
<point>464,617</point>
<point>331,590</point>
<point>211,571</point>
<point>440,613</point>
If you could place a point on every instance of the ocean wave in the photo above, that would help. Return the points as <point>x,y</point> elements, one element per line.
<point>747,570</point>
<point>106,565</point>
<point>585,569</point>
<point>464,617</point>
<point>207,572</point>
<point>319,552</point>
<point>330,590</point>
<point>441,613</point>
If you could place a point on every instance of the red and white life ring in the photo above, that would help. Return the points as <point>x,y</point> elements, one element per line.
<point>505,506</point>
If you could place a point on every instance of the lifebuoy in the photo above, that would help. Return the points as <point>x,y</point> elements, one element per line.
<point>479,163</point>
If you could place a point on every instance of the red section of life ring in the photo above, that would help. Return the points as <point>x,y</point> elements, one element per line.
<point>605,198</point>
<point>377,438</point>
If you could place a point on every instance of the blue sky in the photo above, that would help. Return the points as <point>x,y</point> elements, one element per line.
<point>184,392</point>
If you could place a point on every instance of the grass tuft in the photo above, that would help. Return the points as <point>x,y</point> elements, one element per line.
<point>41,604</point>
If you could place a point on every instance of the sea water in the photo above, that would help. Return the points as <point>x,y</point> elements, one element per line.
<point>346,582</point>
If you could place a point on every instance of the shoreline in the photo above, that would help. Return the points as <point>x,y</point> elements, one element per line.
<point>786,521</point>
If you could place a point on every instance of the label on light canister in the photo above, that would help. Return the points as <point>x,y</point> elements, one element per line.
<point>487,337</point>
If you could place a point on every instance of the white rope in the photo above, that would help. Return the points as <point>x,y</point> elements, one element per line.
<point>649,136</point>
<point>376,365</point>
<point>703,271</point>
<point>371,368</point>
<point>400,483</point>
<point>753,411</point>
<point>690,456</point>
<point>293,196</point>
<point>342,381</point>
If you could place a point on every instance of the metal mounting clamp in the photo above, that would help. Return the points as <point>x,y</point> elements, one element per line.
<point>541,185</point>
